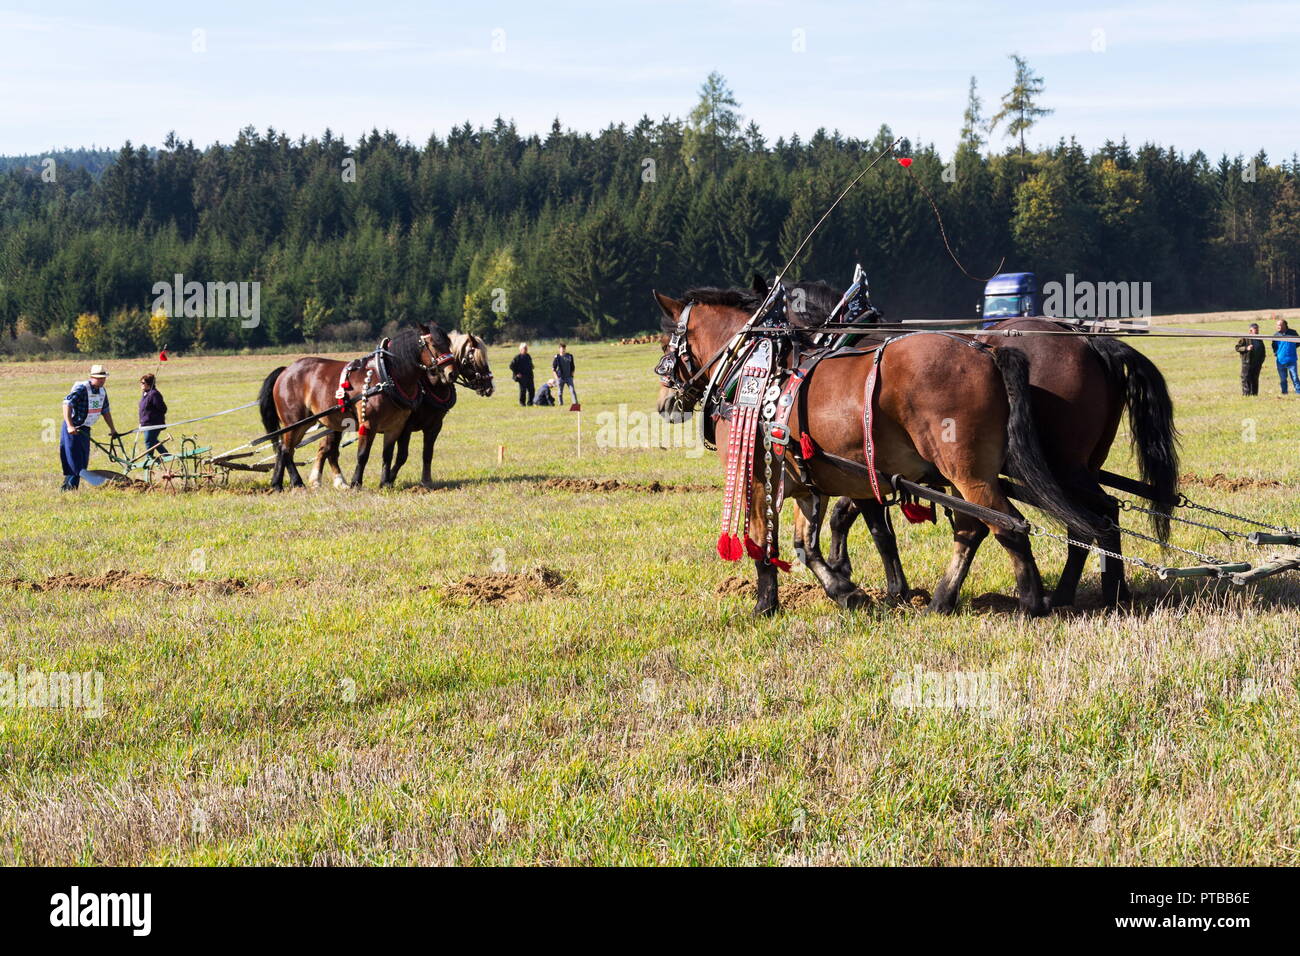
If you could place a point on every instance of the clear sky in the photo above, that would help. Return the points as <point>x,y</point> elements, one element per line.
<point>1222,77</point>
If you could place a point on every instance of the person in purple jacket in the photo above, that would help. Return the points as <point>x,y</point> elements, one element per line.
<point>153,411</point>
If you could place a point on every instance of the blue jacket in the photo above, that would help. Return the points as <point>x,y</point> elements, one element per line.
<point>1285,352</point>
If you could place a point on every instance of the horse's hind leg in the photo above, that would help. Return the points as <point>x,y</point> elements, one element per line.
<point>288,444</point>
<point>318,465</point>
<point>842,517</point>
<point>388,473</point>
<point>1114,589</point>
<point>277,473</point>
<point>882,532</point>
<point>967,533</point>
<point>401,447</point>
<point>807,546</point>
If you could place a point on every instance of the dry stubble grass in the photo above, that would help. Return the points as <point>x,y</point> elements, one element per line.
<point>348,706</point>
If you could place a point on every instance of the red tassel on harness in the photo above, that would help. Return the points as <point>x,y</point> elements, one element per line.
<point>362,430</point>
<point>806,447</point>
<point>916,513</point>
<point>729,547</point>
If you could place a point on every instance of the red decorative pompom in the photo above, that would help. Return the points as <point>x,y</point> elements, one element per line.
<point>362,431</point>
<point>905,161</point>
<point>162,356</point>
<point>752,549</point>
<point>916,513</point>
<point>806,447</point>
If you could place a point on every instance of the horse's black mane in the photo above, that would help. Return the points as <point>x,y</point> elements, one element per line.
<point>404,350</point>
<point>818,297</point>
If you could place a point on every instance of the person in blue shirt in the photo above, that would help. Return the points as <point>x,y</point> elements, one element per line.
<point>1284,353</point>
<point>83,407</point>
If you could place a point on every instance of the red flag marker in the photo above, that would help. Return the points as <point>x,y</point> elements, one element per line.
<point>905,161</point>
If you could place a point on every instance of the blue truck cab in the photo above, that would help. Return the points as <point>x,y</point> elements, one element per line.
<point>1009,295</point>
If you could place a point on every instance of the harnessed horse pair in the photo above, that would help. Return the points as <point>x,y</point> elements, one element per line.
<point>376,394</point>
<point>918,411</point>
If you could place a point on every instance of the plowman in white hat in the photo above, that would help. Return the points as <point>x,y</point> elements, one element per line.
<point>83,407</point>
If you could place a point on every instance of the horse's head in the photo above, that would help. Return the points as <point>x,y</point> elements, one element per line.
<point>471,364</point>
<point>695,330</point>
<point>436,353</point>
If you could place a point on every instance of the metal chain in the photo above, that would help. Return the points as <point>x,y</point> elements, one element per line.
<point>767,491</point>
<point>1041,532</point>
<point>1185,502</point>
<point>1208,559</point>
<point>1126,505</point>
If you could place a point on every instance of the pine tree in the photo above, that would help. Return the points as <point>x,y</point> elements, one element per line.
<point>1019,105</point>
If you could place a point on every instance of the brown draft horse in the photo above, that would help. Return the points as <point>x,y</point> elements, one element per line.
<point>1079,387</point>
<point>308,387</point>
<point>436,400</point>
<point>961,434</point>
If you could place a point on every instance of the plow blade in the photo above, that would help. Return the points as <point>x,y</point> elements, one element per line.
<point>1279,566</point>
<point>99,476</point>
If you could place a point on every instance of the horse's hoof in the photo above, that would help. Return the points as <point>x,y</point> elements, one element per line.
<point>855,599</point>
<point>767,610</point>
<point>340,483</point>
<point>427,483</point>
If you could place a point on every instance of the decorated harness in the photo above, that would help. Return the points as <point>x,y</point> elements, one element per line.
<point>754,384</point>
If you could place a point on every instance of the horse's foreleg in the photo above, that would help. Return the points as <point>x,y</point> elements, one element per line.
<point>401,446</point>
<point>768,602</point>
<point>363,455</point>
<point>335,440</point>
<point>807,547</point>
<point>430,439</point>
<point>882,532</point>
<point>388,473</point>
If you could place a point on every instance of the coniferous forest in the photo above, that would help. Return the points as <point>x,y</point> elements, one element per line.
<point>515,236</point>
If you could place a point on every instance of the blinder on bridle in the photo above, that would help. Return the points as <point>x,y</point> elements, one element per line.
<point>468,374</point>
<point>440,359</point>
<point>686,388</point>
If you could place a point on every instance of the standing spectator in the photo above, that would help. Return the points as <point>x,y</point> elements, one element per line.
<point>83,407</point>
<point>153,411</point>
<point>1285,355</point>
<point>563,365</point>
<point>546,394</point>
<point>521,367</point>
<point>1252,360</point>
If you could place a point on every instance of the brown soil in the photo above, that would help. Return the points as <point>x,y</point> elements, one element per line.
<point>1224,483</point>
<point>507,588</point>
<point>135,581</point>
<point>614,484</point>
<point>997,603</point>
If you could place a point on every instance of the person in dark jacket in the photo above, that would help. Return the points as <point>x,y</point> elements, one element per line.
<point>546,394</point>
<point>1284,353</point>
<point>563,365</point>
<point>1252,360</point>
<point>153,411</point>
<point>83,407</point>
<point>521,367</point>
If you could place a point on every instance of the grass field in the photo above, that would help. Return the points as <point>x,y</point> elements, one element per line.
<point>324,676</point>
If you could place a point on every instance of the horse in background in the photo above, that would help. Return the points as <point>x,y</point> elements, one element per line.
<point>437,400</point>
<point>376,394</point>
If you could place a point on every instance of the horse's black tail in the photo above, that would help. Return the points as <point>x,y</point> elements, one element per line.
<point>1151,420</point>
<point>1026,461</point>
<point>266,402</point>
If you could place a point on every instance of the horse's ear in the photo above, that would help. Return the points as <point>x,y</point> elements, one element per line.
<point>760,285</point>
<point>671,309</point>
